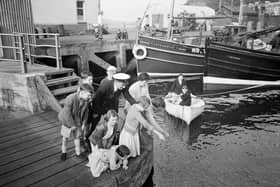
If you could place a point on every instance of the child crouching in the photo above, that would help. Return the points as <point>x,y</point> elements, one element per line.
<point>113,158</point>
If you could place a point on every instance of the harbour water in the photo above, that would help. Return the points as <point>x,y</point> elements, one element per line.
<point>235,142</point>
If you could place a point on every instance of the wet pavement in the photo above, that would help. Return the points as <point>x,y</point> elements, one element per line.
<point>235,142</point>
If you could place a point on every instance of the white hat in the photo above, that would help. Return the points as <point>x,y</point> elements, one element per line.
<point>121,76</point>
<point>111,68</point>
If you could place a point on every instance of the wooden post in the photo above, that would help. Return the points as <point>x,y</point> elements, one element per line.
<point>14,45</point>
<point>57,52</point>
<point>29,49</point>
<point>122,56</point>
<point>200,34</point>
<point>22,57</point>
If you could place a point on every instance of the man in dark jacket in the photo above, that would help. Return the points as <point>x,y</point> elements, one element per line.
<point>176,86</point>
<point>107,95</point>
<point>74,116</point>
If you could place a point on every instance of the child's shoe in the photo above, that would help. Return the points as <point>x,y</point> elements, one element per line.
<point>63,156</point>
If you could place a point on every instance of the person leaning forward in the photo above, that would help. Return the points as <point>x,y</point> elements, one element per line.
<point>74,116</point>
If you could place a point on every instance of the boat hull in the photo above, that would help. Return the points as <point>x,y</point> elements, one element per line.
<point>185,113</point>
<point>240,63</point>
<point>170,58</point>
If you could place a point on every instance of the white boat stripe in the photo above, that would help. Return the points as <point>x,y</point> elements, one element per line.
<point>177,53</point>
<point>174,62</point>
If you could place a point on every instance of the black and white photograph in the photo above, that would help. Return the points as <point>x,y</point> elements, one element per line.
<point>140,93</point>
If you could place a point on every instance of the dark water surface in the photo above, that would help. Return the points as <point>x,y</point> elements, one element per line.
<point>235,142</point>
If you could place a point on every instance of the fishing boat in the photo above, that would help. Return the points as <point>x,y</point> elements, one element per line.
<point>165,58</point>
<point>235,67</point>
<point>242,63</point>
<point>164,52</point>
<point>185,113</point>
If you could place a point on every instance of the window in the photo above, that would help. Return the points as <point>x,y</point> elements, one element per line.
<point>80,10</point>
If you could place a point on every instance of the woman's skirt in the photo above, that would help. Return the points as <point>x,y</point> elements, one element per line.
<point>132,141</point>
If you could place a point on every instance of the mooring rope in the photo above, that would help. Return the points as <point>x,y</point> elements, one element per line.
<point>232,91</point>
<point>220,93</point>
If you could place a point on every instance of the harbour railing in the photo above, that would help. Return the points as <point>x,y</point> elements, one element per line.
<point>24,46</point>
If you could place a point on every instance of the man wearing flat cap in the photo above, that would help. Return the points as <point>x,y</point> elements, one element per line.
<point>107,95</point>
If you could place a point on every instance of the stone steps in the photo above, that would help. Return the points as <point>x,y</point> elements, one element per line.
<point>62,83</point>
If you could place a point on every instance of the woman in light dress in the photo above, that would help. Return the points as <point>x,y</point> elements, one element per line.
<point>129,135</point>
<point>139,89</point>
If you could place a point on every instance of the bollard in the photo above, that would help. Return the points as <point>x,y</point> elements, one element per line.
<point>22,58</point>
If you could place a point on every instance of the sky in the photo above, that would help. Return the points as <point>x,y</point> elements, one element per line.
<point>123,10</point>
<point>129,10</point>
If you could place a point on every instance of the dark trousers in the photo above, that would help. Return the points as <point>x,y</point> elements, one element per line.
<point>88,131</point>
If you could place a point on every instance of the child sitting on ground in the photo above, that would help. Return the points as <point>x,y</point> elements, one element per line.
<point>102,159</point>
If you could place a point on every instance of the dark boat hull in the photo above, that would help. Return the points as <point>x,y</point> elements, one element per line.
<point>239,63</point>
<point>170,58</point>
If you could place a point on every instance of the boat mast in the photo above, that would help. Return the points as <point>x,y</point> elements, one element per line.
<point>170,30</point>
<point>220,6</point>
<point>240,18</point>
<point>141,22</point>
<point>100,13</point>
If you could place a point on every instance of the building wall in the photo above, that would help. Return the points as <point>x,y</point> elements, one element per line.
<point>54,12</point>
<point>273,8</point>
<point>15,16</point>
<point>91,10</point>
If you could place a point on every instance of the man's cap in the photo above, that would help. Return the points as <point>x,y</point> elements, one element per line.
<point>111,68</point>
<point>121,76</point>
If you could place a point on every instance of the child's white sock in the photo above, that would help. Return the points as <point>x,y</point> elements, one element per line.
<point>77,146</point>
<point>64,146</point>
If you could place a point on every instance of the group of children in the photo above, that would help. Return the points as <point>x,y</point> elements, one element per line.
<point>91,119</point>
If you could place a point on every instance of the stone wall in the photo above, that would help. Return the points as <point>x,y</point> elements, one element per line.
<point>25,92</point>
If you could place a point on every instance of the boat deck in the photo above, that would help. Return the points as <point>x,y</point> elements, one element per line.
<point>30,156</point>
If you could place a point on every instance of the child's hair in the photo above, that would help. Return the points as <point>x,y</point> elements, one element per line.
<point>86,87</point>
<point>144,100</point>
<point>184,87</point>
<point>123,151</point>
<point>144,77</point>
<point>84,75</point>
<point>109,114</point>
